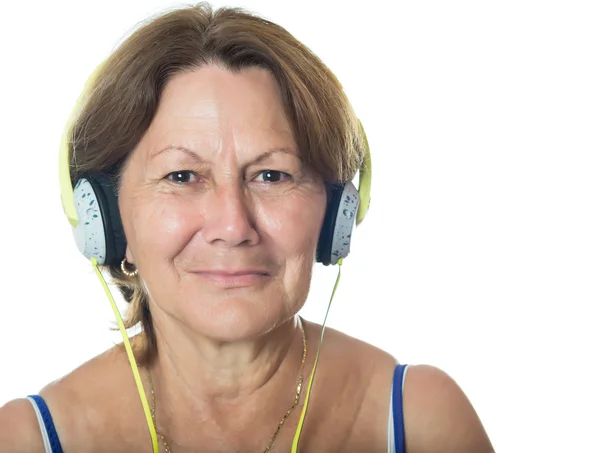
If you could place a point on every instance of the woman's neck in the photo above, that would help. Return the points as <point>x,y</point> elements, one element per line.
<point>196,378</point>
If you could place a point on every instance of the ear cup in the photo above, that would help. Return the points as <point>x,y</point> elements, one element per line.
<point>336,232</point>
<point>100,232</point>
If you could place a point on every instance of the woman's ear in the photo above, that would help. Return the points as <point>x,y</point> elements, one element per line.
<point>129,255</point>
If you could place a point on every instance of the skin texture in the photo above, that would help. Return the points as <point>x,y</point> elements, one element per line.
<point>222,220</point>
<point>227,215</point>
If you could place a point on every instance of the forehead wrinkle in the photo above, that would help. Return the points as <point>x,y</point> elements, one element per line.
<point>220,135</point>
<point>215,134</point>
<point>180,138</point>
<point>175,148</point>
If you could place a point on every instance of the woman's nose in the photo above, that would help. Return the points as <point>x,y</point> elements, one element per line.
<point>229,220</point>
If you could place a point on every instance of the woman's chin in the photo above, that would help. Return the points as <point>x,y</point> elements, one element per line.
<point>235,318</point>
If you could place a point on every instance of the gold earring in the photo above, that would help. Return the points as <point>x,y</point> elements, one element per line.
<point>126,271</point>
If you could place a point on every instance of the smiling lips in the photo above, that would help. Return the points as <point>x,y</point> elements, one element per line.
<point>233,279</point>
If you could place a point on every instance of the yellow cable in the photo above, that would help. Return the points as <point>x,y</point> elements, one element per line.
<point>130,356</point>
<point>314,370</point>
<point>140,386</point>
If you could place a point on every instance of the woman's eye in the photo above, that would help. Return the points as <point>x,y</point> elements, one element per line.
<point>272,176</point>
<point>180,177</point>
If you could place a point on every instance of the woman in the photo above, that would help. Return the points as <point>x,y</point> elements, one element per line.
<point>224,143</point>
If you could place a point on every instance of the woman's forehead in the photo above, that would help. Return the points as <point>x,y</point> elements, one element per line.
<point>211,93</point>
<point>212,107</point>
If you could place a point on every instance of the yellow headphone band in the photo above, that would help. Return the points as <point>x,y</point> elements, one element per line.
<point>364,181</point>
<point>64,175</point>
<point>64,169</point>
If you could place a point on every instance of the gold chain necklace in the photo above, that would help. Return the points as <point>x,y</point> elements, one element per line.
<point>281,422</point>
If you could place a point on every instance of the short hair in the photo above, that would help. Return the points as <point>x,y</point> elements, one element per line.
<point>122,99</point>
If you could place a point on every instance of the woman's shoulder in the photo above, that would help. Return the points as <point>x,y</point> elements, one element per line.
<point>362,375</point>
<point>349,360</point>
<point>91,405</point>
<point>432,397</point>
<point>346,346</point>
<point>19,429</point>
<point>352,390</point>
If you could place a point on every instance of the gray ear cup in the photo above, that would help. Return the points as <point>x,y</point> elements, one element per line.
<point>100,232</point>
<point>336,232</point>
<point>344,223</point>
<point>89,233</point>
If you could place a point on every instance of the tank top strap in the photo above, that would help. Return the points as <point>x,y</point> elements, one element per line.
<point>397,410</point>
<point>47,428</point>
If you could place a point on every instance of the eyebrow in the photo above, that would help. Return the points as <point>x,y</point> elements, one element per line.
<point>261,157</point>
<point>172,148</point>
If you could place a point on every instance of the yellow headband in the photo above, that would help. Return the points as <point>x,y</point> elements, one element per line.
<point>64,171</point>
<point>364,181</point>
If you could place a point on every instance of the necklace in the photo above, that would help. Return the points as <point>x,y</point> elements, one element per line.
<point>281,422</point>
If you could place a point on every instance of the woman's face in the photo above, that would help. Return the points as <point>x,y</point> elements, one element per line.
<point>221,216</point>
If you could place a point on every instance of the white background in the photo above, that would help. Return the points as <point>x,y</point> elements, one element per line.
<point>481,252</point>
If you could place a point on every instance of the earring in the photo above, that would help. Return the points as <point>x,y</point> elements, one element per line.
<point>126,271</point>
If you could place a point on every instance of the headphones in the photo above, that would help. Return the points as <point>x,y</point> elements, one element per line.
<point>92,208</point>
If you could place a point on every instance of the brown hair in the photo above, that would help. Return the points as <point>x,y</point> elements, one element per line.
<point>122,99</point>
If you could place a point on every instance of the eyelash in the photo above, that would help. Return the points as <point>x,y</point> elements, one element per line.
<point>178,173</point>
<point>284,175</point>
<point>189,173</point>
